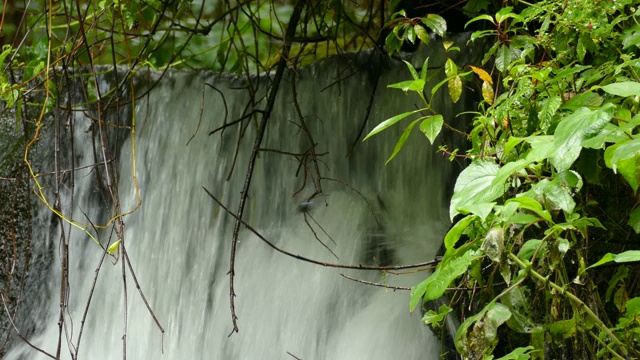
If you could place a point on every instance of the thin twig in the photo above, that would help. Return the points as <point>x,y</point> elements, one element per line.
<point>430,263</point>
<point>291,28</point>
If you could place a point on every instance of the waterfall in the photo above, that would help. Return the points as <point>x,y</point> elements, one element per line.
<point>179,239</point>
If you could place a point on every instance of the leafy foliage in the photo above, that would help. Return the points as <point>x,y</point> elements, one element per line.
<point>550,196</point>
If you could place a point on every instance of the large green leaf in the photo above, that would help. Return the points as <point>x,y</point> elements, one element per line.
<point>475,185</point>
<point>583,124</point>
<point>436,23</point>
<point>624,88</point>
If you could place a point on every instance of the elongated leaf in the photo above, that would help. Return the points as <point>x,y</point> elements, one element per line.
<point>385,124</point>
<point>483,75</point>
<point>455,88</point>
<point>475,185</point>
<point>422,34</point>
<point>402,140</point>
<point>487,92</point>
<point>627,256</point>
<point>438,282</point>
<point>113,247</point>
<point>481,17</point>
<point>456,231</point>
<point>425,68</point>
<point>450,68</point>
<point>431,127</point>
<point>412,70</point>
<point>436,23</point>
<point>624,89</point>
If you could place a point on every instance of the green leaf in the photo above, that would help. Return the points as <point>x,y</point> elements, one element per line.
<point>482,209</point>
<point>113,247</point>
<point>425,68</point>
<point>392,43</point>
<point>583,124</point>
<point>450,68</point>
<point>505,56</point>
<point>412,70</point>
<point>521,353</point>
<point>455,88</point>
<point>436,23</point>
<point>409,85</point>
<point>487,92</point>
<point>421,33</point>
<point>481,17</point>
<point>529,248</point>
<point>437,283</point>
<point>456,231</point>
<point>402,140</point>
<point>548,108</point>
<point>431,127</point>
<point>634,220</point>
<point>436,319</point>
<point>624,88</point>
<point>627,256</point>
<point>389,122</point>
<point>475,185</point>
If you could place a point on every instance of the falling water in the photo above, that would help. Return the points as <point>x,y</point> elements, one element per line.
<point>179,239</point>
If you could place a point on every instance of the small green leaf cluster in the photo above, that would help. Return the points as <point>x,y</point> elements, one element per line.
<point>546,214</point>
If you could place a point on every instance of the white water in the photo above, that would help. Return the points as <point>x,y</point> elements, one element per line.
<point>179,240</point>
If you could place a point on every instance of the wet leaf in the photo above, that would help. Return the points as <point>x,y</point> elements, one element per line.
<point>487,93</point>
<point>436,23</point>
<point>483,75</point>
<point>422,34</point>
<point>455,88</point>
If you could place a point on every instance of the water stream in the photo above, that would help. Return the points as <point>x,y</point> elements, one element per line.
<point>179,240</point>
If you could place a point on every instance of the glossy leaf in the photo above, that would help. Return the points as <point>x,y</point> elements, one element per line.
<point>431,127</point>
<point>483,75</point>
<point>450,68</point>
<point>487,92</point>
<point>422,34</point>
<point>455,88</point>
<point>113,247</point>
<point>436,23</point>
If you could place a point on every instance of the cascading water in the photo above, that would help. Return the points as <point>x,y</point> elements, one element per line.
<point>179,239</point>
